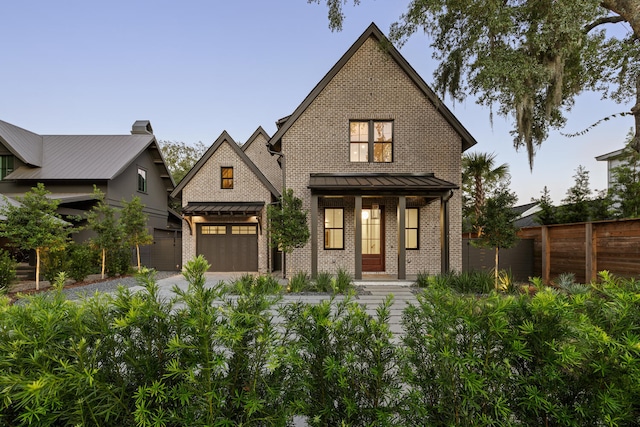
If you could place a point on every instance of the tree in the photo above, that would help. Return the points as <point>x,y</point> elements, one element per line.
<point>528,58</point>
<point>102,219</point>
<point>34,224</point>
<point>575,207</point>
<point>497,219</point>
<point>547,213</point>
<point>625,189</point>
<point>480,176</point>
<point>134,225</point>
<point>181,157</point>
<point>287,224</point>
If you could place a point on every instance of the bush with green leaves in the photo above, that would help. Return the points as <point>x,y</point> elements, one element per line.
<point>479,281</point>
<point>83,261</point>
<point>300,282</point>
<point>261,284</point>
<point>54,262</point>
<point>118,262</point>
<point>7,271</point>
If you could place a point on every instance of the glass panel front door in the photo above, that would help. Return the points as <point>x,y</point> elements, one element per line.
<point>372,239</point>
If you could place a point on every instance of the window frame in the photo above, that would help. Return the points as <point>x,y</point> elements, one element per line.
<point>5,169</point>
<point>341,248</point>
<point>142,179</point>
<point>416,228</point>
<point>227,179</point>
<point>371,142</point>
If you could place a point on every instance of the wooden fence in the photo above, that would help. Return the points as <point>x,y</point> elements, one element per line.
<point>519,260</point>
<point>584,249</point>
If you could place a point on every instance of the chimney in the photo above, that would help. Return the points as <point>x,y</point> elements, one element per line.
<point>142,127</point>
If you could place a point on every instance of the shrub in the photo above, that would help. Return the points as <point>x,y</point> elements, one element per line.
<point>343,281</point>
<point>54,262</point>
<point>262,284</point>
<point>479,282</point>
<point>119,261</point>
<point>323,282</point>
<point>300,282</point>
<point>7,271</point>
<point>83,262</point>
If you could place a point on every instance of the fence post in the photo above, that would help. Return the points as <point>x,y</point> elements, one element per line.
<point>590,256</point>
<point>546,254</point>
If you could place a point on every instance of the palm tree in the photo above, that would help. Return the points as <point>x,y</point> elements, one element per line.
<point>479,176</point>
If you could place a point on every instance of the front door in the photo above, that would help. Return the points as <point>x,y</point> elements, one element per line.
<point>373,239</point>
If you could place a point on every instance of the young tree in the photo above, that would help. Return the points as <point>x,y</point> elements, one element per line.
<point>134,225</point>
<point>102,219</point>
<point>528,58</point>
<point>34,224</point>
<point>287,224</point>
<point>547,213</point>
<point>180,157</point>
<point>480,177</point>
<point>576,205</point>
<point>497,219</point>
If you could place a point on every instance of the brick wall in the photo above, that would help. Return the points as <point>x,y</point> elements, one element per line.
<point>268,164</point>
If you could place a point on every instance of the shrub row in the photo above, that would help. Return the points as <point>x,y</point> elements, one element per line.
<point>211,358</point>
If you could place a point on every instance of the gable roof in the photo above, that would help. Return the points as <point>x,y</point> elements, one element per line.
<point>254,136</point>
<point>24,144</point>
<point>224,137</point>
<point>79,157</point>
<point>373,31</point>
<point>610,156</point>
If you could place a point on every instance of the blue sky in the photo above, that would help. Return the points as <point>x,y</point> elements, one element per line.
<point>198,67</point>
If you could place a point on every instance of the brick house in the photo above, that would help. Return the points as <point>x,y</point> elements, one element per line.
<point>376,158</point>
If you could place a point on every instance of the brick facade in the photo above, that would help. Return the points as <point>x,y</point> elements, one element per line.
<point>371,85</point>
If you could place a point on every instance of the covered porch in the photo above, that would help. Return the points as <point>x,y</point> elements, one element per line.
<point>364,197</point>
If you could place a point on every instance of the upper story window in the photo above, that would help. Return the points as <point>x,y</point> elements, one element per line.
<point>6,166</point>
<point>334,228</point>
<point>411,228</point>
<point>226,177</point>
<point>371,141</point>
<point>142,180</point>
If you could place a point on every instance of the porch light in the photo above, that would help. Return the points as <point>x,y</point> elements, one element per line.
<point>375,210</point>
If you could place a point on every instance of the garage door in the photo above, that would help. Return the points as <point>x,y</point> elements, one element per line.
<point>229,247</point>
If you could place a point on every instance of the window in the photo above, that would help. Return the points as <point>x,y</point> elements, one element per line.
<point>226,177</point>
<point>142,180</point>
<point>371,141</point>
<point>6,166</point>
<point>243,229</point>
<point>333,228</point>
<point>214,229</point>
<point>411,228</point>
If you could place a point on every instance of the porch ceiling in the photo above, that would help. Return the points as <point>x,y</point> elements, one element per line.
<point>379,184</point>
<point>223,208</point>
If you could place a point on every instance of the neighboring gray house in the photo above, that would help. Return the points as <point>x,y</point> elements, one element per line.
<point>613,159</point>
<point>121,166</point>
<point>375,157</point>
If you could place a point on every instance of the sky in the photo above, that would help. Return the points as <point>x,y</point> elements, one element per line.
<point>195,68</point>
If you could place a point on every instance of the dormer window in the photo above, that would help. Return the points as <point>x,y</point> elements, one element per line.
<point>371,141</point>
<point>6,166</point>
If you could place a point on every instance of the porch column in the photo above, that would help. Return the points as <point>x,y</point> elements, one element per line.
<point>314,236</point>
<point>402,251</point>
<point>358,237</point>
<point>444,233</point>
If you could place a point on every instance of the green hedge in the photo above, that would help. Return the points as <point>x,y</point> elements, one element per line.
<point>212,358</point>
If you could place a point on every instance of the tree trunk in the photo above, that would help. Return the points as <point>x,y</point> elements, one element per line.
<point>104,258</point>
<point>138,255</point>
<point>635,110</point>
<point>496,269</point>
<point>37,269</point>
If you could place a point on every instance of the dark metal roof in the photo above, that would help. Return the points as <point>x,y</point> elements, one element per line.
<point>223,208</point>
<point>379,184</point>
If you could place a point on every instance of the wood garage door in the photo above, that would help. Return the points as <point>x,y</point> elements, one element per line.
<point>229,247</point>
